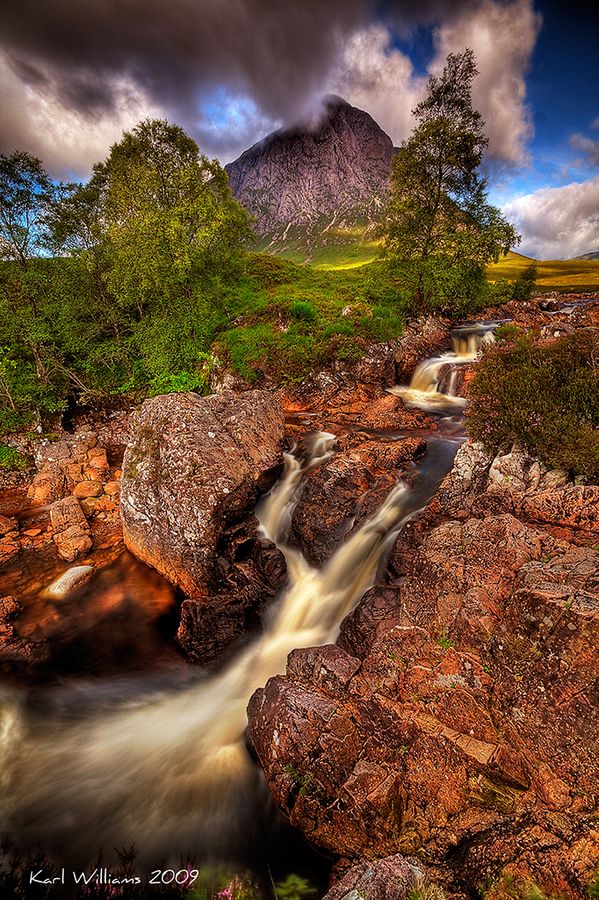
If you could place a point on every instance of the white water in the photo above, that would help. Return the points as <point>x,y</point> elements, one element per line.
<point>426,389</point>
<point>172,774</point>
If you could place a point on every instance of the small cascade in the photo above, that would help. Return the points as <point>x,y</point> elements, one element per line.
<point>276,508</point>
<point>171,774</point>
<point>434,383</point>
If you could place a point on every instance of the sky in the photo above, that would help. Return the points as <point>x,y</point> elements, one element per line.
<point>75,73</point>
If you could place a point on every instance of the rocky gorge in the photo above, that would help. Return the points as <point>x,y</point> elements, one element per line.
<point>442,729</point>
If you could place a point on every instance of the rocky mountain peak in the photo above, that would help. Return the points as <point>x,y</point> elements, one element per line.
<point>333,172</point>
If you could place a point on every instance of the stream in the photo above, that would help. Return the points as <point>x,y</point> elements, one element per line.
<point>158,759</point>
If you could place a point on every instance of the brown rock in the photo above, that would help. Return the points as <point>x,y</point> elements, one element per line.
<point>7,525</point>
<point>49,484</point>
<point>87,489</point>
<point>195,464</point>
<point>191,478</point>
<point>111,488</point>
<point>392,878</point>
<point>71,532</point>
<point>97,459</point>
<point>457,720</point>
<point>11,644</point>
<point>347,488</point>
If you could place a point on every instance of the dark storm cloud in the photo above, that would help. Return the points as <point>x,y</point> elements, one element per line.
<point>179,49</point>
<point>74,73</point>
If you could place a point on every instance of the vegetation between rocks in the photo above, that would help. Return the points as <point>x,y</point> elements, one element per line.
<point>542,395</point>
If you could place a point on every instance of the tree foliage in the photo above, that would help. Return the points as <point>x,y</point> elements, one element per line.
<point>438,211</point>
<point>132,299</point>
<point>26,196</point>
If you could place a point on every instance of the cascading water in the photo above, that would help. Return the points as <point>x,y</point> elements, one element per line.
<point>173,775</point>
<point>426,389</point>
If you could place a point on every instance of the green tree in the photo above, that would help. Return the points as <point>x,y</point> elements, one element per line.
<point>438,219</point>
<point>159,230</point>
<point>30,368</point>
<point>26,195</point>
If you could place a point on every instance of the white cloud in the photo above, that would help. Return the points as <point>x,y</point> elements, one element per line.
<point>379,79</point>
<point>68,141</point>
<point>502,36</point>
<point>588,146</point>
<point>558,223</point>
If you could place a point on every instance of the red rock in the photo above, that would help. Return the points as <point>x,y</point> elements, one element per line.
<point>48,485</point>
<point>71,532</point>
<point>392,878</point>
<point>459,710</point>
<point>87,489</point>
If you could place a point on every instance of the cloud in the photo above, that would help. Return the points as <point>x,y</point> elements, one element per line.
<point>74,73</point>
<point>558,223</point>
<point>377,77</point>
<point>68,140</point>
<point>75,56</point>
<point>503,36</point>
<point>587,145</point>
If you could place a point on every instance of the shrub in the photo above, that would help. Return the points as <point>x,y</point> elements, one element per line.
<point>542,396</point>
<point>12,459</point>
<point>303,311</point>
<point>525,284</point>
<point>294,887</point>
<point>342,328</point>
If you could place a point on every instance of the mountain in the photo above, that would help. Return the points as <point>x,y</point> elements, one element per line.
<point>306,182</point>
<point>593,255</point>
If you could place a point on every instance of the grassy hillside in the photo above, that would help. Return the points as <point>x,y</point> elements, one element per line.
<point>552,274</point>
<point>352,248</point>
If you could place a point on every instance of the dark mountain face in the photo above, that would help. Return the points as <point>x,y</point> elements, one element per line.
<point>309,180</point>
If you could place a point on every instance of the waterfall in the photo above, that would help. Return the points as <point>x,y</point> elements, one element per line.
<point>172,774</point>
<point>425,390</point>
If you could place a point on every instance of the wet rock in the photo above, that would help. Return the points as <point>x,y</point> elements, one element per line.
<point>420,340</point>
<point>9,539</point>
<point>69,581</point>
<point>392,878</point>
<point>71,532</point>
<point>11,644</point>
<point>377,365</point>
<point>457,719</point>
<point>249,571</point>
<point>340,491</point>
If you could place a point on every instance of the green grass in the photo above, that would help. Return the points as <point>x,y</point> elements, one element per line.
<point>331,249</point>
<point>352,247</point>
<point>552,274</point>
<point>287,319</point>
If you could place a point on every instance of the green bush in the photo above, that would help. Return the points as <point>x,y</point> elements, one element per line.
<point>525,284</point>
<point>543,396</point>
<point>12,459</point>
<point>342,328</point>
<point>294,887</point>
<point>303,311</point>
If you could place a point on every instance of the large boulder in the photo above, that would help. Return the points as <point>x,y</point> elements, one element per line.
<point>192,473</point>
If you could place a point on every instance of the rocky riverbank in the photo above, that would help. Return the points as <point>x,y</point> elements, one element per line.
<point>450,734</point>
